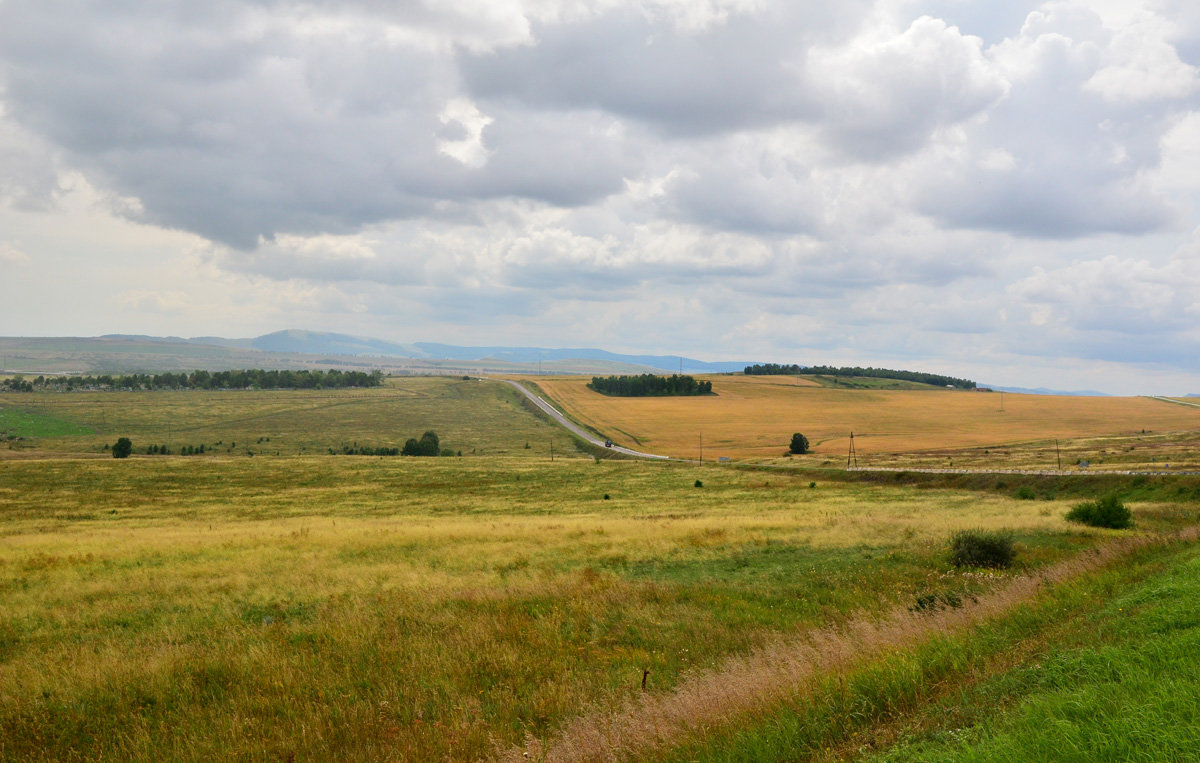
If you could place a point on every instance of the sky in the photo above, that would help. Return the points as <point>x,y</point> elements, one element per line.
<point>1008,192</point>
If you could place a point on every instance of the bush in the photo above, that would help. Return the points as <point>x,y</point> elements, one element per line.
<point>799,444</point>
<point>1026,493</point>
<point>123,448</point>
<point>980,548</point>
<point>1103,512</point>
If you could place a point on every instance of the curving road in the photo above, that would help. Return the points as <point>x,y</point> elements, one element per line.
<point>573,428</point>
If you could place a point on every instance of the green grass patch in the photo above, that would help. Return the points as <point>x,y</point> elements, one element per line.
<point>19,422</point>
<point>1125,688</point>
<point>1104,667</point>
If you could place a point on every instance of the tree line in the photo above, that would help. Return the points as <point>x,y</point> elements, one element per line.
<point>775,369</point>
<point>649,385</point>
<point>256,378</point>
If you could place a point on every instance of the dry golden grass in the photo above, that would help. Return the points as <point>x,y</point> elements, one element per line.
<point>420,609</point>
<point>753,417</point>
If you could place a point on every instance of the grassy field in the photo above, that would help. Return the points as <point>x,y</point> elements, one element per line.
<point>753,417</point>
<point>376,608</point>
<point>310,606</point>
<point>478,418</point>
<point>1100,667</point>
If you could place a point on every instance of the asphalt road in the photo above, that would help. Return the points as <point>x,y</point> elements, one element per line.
<point>570,426</point>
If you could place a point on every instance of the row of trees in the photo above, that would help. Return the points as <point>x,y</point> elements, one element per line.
<point>774,369</point>
<point>246,379</point>
<point>875,373</point>
<point>428,445</point>
<point>649,385</point>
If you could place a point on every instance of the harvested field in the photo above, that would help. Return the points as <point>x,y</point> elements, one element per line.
<point>753,417</point>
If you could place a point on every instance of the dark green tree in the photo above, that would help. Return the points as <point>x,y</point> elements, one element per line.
<point>799,443</point>
<point>429,444</point>
<point>123,448</point>
<point>411,447</point>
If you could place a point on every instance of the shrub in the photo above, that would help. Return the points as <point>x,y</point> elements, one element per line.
<point>980,548</point>
<point>699,483</point>
<point>122,448</point>
<point>799,444</point>
<point>1026,493</point>
<point>1103,512</point>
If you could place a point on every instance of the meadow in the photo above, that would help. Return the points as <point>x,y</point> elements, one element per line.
<point>753,417</point>
<point>475,417</point>
<point>309,606</point>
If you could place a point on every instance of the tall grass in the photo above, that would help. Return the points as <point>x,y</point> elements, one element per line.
<point>1124,687</point>
<point>382,608</point>
<point>706,700</point>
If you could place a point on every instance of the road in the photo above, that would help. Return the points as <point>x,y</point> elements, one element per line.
<point>573,428</point>
<point>1174,402</point>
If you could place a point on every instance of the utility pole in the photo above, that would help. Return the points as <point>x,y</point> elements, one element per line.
<point>551,450</point>
<point>851,456</point>
<point>1058,453</point>
<point>702,449</point>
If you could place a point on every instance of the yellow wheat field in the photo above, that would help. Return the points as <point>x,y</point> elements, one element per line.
<point>755,416</point>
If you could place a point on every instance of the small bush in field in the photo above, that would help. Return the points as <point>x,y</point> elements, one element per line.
<point>980,548</point>
<point>123,448</point>
<point>1103,512</point>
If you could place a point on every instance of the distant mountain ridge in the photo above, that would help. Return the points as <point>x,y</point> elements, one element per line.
<point>327,343</point>
<point>1045,391</point>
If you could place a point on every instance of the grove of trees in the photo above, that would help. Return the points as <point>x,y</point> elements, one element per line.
<point>246,379</point>
<point>649,385</point>
<point>428,445</point>
<point>921,377</point>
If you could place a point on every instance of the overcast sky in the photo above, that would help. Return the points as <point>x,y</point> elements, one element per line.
<point>1003,191</point>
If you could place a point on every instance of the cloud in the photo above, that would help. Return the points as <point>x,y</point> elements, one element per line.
<point>884,94</point>
<point>144,301</point>
<point>1124,295</point>
<point>11,255</point>
<point>1075,160</point>
<point>1143,65</point>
